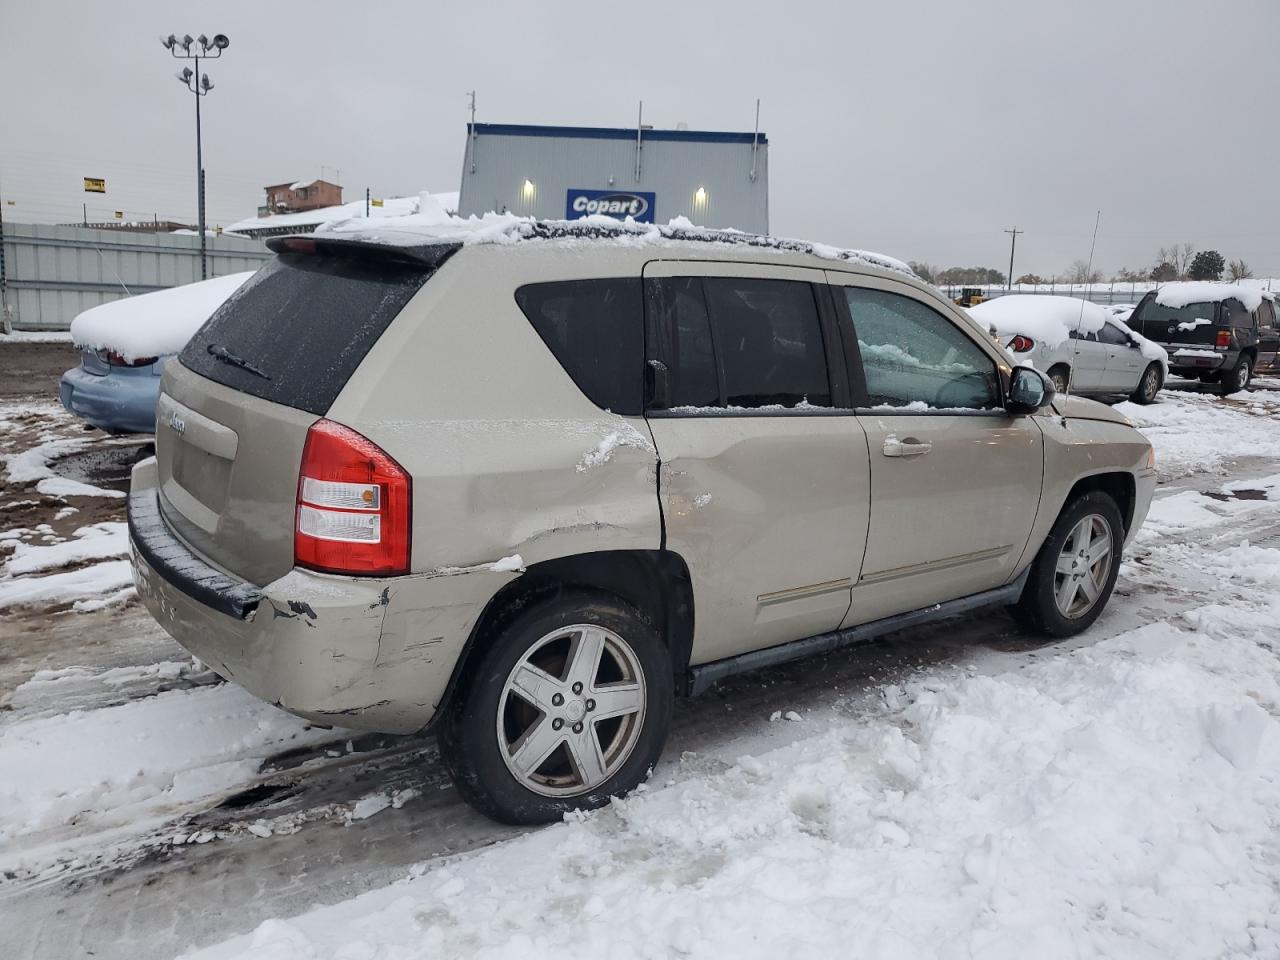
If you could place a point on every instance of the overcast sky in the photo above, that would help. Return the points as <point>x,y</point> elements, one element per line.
<point>919,129</point>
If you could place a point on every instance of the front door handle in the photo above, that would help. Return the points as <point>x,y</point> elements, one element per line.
<point>910,447</point>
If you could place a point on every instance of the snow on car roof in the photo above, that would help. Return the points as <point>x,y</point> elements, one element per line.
<point>1044,318</point>
<point>1181,294</point>
<point>502,228</point>
<point>155,324</point>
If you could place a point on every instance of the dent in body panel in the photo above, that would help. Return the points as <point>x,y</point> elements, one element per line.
<point>1075,449</point>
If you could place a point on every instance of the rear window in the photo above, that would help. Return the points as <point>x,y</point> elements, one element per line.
<point>295,333</point>
<point>595,329</point>
<point>1193,315</point>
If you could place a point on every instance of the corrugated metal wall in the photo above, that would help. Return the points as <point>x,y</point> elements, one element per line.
<point>673,170</point>
<point>55,272</point>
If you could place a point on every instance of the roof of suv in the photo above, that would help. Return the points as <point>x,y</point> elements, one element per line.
<point>421,239</point>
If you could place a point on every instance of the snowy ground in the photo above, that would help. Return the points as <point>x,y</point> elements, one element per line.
<point>956,792</point>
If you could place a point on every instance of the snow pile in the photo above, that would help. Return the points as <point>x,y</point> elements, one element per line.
<point>73,586</point>
<point>135,762</point>
<point>1113,801</point>
<point>1183,294</point>
<point>99,541</point>
<point>392,208</point>
<point>1047,320</point>
<point>153,324</point>
<point>501,228</point>
<point>1195,433</point>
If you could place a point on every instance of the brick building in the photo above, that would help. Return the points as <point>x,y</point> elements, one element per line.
<point>300,196</point>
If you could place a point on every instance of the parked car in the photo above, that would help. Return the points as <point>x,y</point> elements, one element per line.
<point>530,490</point>
<point>1078,343</point>
<point>1221,333</point>
<point>124,346</point>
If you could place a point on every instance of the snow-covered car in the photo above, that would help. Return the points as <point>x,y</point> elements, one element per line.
<point>1077,343</point>
<point>1219,332</point>
<point>124,346</point>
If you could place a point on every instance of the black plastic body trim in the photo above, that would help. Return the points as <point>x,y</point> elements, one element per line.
<point>705,675</point>
<point>171,559</point>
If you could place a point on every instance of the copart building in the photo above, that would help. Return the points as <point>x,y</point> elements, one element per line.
<point>555,173</point>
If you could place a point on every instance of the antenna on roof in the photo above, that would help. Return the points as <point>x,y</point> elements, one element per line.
<point>1088,278</point>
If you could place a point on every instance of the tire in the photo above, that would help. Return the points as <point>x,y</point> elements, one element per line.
<point>535,657</point>
<point>1061,377</point>
<point>1039,609</point>
<point>1238,378</point>
<point>1148,386</point>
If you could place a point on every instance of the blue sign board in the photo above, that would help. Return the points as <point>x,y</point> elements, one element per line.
<point>619,204</point>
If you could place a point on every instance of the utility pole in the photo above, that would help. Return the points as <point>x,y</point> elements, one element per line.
<point>1013,243</point>
<point>198,84</point>
<point>366,203</point>
<point>471,140</point>
<point>6,324</point>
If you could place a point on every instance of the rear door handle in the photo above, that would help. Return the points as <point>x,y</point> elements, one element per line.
<point>910,447</point>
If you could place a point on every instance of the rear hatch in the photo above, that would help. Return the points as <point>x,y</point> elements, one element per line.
<point>1194,325</point>
<point>235,408</point>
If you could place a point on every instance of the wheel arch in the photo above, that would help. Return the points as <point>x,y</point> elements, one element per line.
<point>656,582</point>
<point>1119,485</point>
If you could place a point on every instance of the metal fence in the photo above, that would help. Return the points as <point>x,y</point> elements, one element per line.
<point>1119,291</point>
<point>51,273</point>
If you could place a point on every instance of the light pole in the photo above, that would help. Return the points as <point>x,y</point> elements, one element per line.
<point>198,84</point>
<point>1013,245</point>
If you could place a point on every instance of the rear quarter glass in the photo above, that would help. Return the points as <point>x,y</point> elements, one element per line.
<point>304,323</point>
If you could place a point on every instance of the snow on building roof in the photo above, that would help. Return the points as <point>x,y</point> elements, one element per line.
<point>439,227</point>
<point>1181,294</point>
<point>309,219</point>
<point>1048,319</point>
<point>155,324</point>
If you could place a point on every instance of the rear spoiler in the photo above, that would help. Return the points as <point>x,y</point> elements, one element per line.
<point>418,255</point>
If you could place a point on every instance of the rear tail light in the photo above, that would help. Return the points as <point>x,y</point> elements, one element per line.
<point>117,360</point>
<point>1224,339</point>
<point>354,505</point>
<point>1021,344</point>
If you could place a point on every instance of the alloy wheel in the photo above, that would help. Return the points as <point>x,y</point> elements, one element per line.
<point>571,710</point>
<point>1151,385</point>
<point>1084,565</point>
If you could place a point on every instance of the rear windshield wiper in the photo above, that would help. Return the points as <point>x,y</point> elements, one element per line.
<point>229,358</point>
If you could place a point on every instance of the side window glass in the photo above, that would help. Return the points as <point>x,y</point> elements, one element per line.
<point>913,355</point>
<point>768,340</point>
<point>1234,314</point>
<point>677,318</point>
<point>1109,334</point>
<point>1266,315</point>
<point>595,328</point>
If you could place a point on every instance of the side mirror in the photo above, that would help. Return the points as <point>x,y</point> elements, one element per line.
<point>1029,391</point>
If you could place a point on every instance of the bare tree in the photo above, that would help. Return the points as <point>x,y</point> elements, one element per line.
<point>1239,270</point>
<point>1179,256</point>
<point>1079,272</point>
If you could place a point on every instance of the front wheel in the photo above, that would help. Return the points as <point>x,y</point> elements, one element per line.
<point>570,706</point>
<point>1075,571</point>
<point>1148,386</point>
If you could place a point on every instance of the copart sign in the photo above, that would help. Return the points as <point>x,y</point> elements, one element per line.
<point>619,204</point>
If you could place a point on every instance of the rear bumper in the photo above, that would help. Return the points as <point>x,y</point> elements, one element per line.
<point>370,654</point>
<point>118,404</point>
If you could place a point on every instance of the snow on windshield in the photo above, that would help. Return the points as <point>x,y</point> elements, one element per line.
<point>1183,294</point>
<point>155,324</point>
<point>1046,319</point>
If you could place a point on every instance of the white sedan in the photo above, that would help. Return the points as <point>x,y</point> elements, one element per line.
<point>1078,344</point>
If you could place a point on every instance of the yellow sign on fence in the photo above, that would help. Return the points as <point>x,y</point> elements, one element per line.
<point>119,214</point>
<point>95,185</point>
<point>375,203</point>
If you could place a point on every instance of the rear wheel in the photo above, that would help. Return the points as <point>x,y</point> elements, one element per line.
<point>1238,378</point>
<point>1075,571</point>
<point>1150,384</point>
<point>570,706</point>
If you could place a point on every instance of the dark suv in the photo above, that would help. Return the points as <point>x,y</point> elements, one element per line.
<point>1219,332</point>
